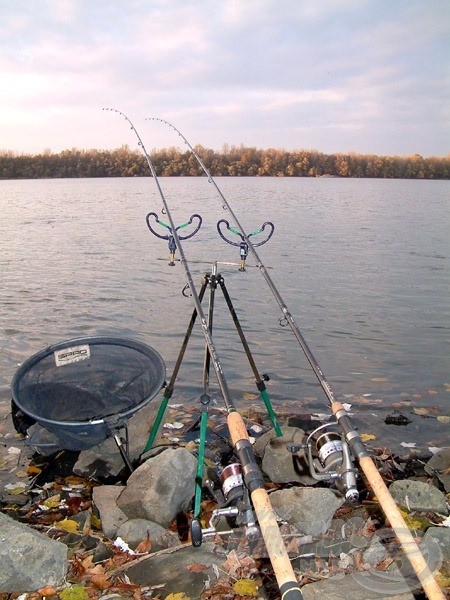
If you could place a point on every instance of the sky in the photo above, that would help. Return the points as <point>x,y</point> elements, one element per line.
<point>364,76</point>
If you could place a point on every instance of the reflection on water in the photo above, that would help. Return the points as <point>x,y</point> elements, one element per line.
<point>363,265</point>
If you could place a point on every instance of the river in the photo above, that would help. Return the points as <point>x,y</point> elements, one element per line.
<point>362,265</point>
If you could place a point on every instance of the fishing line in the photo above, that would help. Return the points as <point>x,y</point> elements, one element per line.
<point>287,316</point>
<point>190,282</point>
<point>253,477</point>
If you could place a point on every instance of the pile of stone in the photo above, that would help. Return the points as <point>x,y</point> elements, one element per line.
<point>163,487</point>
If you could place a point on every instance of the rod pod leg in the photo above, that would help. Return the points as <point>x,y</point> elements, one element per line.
<point>259,380</point>
<point>169,389</point>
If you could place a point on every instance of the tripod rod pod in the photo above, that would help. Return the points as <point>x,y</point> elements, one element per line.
<point>252,475</point>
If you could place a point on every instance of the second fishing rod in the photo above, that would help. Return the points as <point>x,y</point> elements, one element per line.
<point>349,432</point>
<point>253,477</point>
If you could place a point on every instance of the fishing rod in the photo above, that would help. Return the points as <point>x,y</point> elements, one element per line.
<point>349,432</point>
<point>253,477</point>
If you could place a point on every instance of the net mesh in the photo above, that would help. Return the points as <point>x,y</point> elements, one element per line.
<point>115,377</point>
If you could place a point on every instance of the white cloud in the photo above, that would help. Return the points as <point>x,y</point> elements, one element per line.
<point>367,75</point>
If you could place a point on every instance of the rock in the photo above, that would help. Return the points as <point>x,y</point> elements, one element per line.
<point>160,488</point>
<point>280,465</point>
<point>440,535</point>
<point>418,495</point>
<point>105,460</point>
<point>439,464</point>
<point>360,586</point>
<point>311,510</point>
<point>374,554</point>
<point>135,531</point>
<point>175,570</point>
<point>29,560</point>
<point>105,500</point>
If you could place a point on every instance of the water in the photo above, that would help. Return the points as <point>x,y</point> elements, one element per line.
<point>363,265</point>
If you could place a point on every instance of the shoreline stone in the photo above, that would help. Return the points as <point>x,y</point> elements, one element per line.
<point>160,488</point>
<point>20,547</point>
<point>163,487</point>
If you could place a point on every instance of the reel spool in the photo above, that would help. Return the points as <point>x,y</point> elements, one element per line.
<point>329,459</point>
<point>236,507</point>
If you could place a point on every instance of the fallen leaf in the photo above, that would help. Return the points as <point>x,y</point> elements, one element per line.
<point>144,547</point>
<point>443,419</point>
<point>246,587</point>
<point>48,590</point>
<point>197,568</point>
<point>16,488</point>
<point>367,437</point>
<point>101,581</point>
<point>67,525</point>
<point>176,425</point>
<point>177,596</point>
<point>33,470</point>
<point>420,411</point>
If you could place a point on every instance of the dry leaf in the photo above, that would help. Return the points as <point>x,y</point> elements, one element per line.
<point>246,587</point>
<point>367,437</point>
<point>443,419</point>
<point>177,596</point>
<point>101,581</point>
<point>33,470</point>
<point>68,525</point>
<point>143,547</point>
<point>48,590</point>
<point>197,568</point>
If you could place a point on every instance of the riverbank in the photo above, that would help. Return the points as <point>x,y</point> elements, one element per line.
<point>336,548</point>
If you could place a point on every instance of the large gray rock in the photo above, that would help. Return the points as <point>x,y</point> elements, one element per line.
<point>311,510</point>
<point>280,465</point>
<point>136,531</point>
<point>174,570</point>
<point>29,560</point>
<point>418,495</point>
<point>105,500</point>
<point>362,586</point>
<point>160,488</point>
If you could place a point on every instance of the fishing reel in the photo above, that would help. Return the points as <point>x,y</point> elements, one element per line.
<point>169,236</point>
<point>235,507</point>
<point>243,246</point>
<point>329,459</point>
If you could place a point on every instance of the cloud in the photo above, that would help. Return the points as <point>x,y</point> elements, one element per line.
<point>363,75</point>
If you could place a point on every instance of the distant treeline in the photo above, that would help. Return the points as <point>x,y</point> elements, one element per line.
<point>231,161</point>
